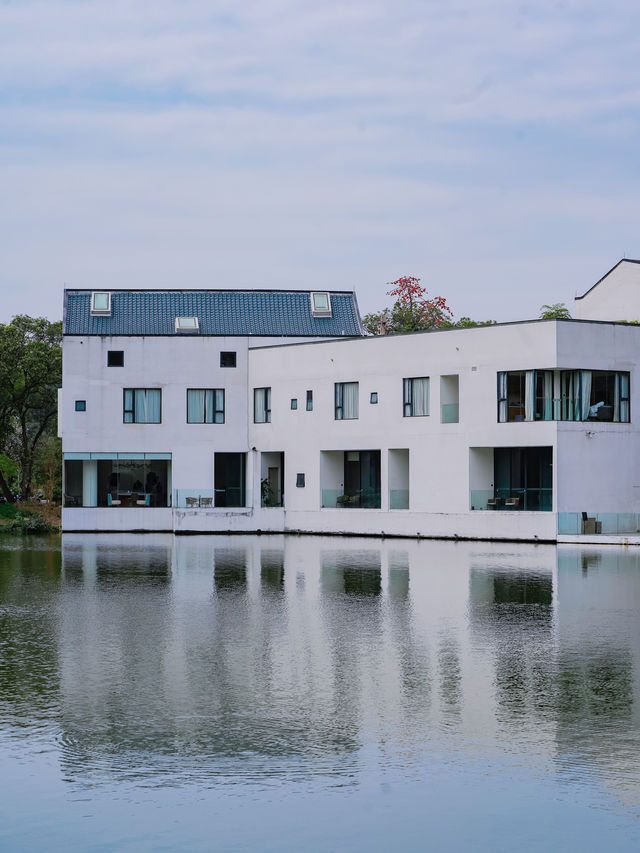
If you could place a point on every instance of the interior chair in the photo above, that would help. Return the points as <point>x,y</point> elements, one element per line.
<point>111,501</point>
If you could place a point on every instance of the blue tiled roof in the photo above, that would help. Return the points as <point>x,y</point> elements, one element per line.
<point>219,312</point>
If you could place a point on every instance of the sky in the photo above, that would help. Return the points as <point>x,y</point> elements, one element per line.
<point>488,147</point>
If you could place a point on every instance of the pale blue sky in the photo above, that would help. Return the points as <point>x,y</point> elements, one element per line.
<point>488,147</point>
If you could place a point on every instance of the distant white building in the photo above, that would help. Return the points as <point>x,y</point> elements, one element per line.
<point>214,411</point>
<point>615,297</point>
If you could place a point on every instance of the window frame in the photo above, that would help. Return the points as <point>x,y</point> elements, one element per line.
<point>339,388</point>
<point>216,411</point>
<point>114,352</point>
<point>190,328</point>
<point>132,411</point>
<point>309,403</point>
<point>408,395</point>
<point>80,405</point>
<point>320,312</point>
<point>100,312</point>
<point>227,353</point>
<point>266,390</point>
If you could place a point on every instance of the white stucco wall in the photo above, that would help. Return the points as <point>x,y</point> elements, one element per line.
<point>615,298</point>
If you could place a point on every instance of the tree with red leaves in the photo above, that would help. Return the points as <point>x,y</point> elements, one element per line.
<point>411,312</point>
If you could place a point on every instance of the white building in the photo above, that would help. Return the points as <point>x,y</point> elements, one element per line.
<point>512,431</point>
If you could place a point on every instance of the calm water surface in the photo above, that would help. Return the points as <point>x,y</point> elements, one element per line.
<point>291,694</point>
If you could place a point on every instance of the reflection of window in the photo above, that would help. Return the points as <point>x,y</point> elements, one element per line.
<point>346,401</point>
<point>115,358</point>
<point>100,302</point>
<point>262,405</point>
<point>227,359</point>
<point>415,397</point>
<point>205,406</point>
<point>320,304</point>
<point>142,405</point>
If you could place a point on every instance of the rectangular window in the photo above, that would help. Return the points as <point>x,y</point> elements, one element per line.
<point>294,403</point>
<point>115,358</point>
<point>81,405</point>
<point>415,397</point>
<point>299,481</point>
<point>205,406</point>
<point>309,401</point>
<point>100,302</point>
<point>142,405</point>
<point>227,359</point>
<point>346,401</point>
<point>187,324</point>
<point>262,405</point>
<point>321,304</point>
<point>374,397</point>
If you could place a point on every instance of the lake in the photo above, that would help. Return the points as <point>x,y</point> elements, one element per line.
<point>308,693</point>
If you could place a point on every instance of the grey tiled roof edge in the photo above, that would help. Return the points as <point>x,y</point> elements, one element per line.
<point>266,313</point>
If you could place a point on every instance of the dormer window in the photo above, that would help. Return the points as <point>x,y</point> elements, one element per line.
<point>187,324</point>
<point>100,302</point>
<point>320,304</point>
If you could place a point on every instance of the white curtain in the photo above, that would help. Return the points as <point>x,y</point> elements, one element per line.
<point>585,394</point>
<point>209,400</point>
<point>528,395</point>
<point>195,406</point>
<point>502,397</point>
<point>420,397</point>
<point>349,400</point>
<point>259,405</point>
<point>621,398</point>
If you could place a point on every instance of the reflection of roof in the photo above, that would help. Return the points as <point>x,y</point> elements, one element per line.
<point>615,266</point>
<point>219,312</point>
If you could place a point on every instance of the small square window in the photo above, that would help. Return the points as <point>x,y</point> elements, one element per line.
<point>294,403</point>
<point>187,324</point>
<point>115,358</point>
<point>374,397</point>
<point>320,304</point>
<point>300,481</point>
<point>227,359</point>
<point>100,302</point>
<point>309,401</point>
<point>81,405</point>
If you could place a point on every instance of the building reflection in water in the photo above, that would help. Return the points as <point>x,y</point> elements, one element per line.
<point>272,657</point>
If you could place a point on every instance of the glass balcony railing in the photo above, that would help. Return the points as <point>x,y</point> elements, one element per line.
<point>363,499</point>
<point>399,499</point>
<point>606,523</point>
<point>509,500</point>
<point>450,413</point>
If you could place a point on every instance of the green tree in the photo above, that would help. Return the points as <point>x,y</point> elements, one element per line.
<point>30,374</point>
<point>557,311</point>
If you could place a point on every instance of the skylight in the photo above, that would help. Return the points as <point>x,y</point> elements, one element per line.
<point>187,324</point>
<point>100,302</point>
<point>320,304</point>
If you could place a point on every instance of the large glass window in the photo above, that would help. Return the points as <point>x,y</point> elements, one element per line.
<point>229,479</point>
<point>142,405</point>
<point>205,406</point>
<point>523,478</point>
<point>262,405</point>
<point>346,401</point>
<point>415,397</point>
<point>564,395</point>
<point>133,482</point>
